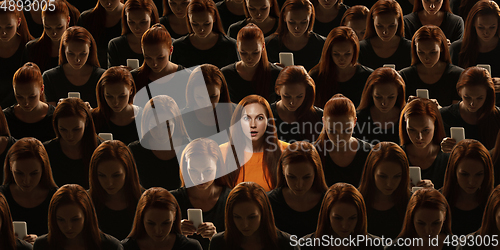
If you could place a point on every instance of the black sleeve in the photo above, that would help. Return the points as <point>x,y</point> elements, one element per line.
<point>113,53</point>
<point>459,28</point>
<point>455,51</point>
<point>50,92</point>
<point>217,242</point>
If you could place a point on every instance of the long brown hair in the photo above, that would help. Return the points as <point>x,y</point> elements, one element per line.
<point>417,6</point>
<point>79,34</point>
<point>433,33</point>
<point>197,6</point>
<point>356,12</point>
<point>211,76</point>
<point>418,107</point>
<point>22,29</point>
<point>383,75</point>
<point>274,12</point>
<point>385,7</point>
<point>145,5</point>
<point>4,126</point>
<point>29,73</point>
<point>282,30</point>
<point>489,225</point>
<point>7,234</point>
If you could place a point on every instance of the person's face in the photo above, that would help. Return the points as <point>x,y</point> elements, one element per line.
<point>327,4</point>
<point>432,7</point>
<point>200,95</point>
<point>428,222</point>
<point>27,173</point>
<point>160,132</point>
<point>428,51</point>
<point>158,223</point>
<point>254,121</point>
<point>71,129</point>
<point>486,27</point>
<point>109,5</point>
<point>8,26</point>
<point>293,95</point>
<point>247,216</point>
<point>470,175</point>
<point>250,52</point>
<point>385,96</point>
<point>77,53</point>
<point>299,176</point>
<point>138,22</point>
<point>386,26</point>
<point>473,97</point>
<point>339,128</point>
<point>111,175</point>
<point>70,220</point>
<point>55,25</point>
<point>117,96</point>
<point>342,54</point>
<point>343,218</point>
<point>359,26</point>
<point>27,96</point>
<point>156,56</point>
<point>202,170</point>
<point>388,175</point>
<point>258,9</point>
<point>420,129</point>
<point>201,23</point>
<point>178,7</point>
<point>297,22</point>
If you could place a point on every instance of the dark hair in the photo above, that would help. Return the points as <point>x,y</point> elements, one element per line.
<point>197,6</point>
<point>421,107</point>
<point>489,225</point>
<point>7,236</point>
<point>211,76</point>
<point>78,34</point>
<point>385,7</point>
<point>146,5</point>
<point>29,73</point>
<point>282,30</point>
<point>383,75</point>
<point>356,12</point>
<point>4,126</point>
<point>22,29</point>
<point>274,9</point>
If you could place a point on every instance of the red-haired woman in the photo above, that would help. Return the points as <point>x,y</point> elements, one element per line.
<point>468,183</point>
<point>420,132</point>
<point>296,117</point>
<point>78,69</point>
<point>381,104</point>
<point>476,113</point>
<point>428,216</point>
<point>299,191</point>
<point>28,185</point>
<point>44,51</point>
<point>174,17</point>
<point>114,187</point>
<point>384,41</point>
<point>75,141</point>
<point>34,15</point>
<point>295,35</point>
<point>8,239</point>
<point>157,224</point>
<point>31,116</point>
<point>73,223</point>
<point>253,149</point>
<point>338,70</point>
<point>328,15</point>
<point>137,17</point>
<point>115,112</point>
<point>206,41</point>
<point>436,13</point>
<point>250,222</point>
<point>6,140</point>
<point>104,23</point>
<point>205,186</point>
<point>13,39</point>
<point>253,74</point>
<point>342,155</point>
<point>431,67</point>
<point>355,18</point>
<point>263,13</point>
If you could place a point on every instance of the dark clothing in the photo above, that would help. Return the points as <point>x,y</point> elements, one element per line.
<point>125,134</point>
<point>36,217</point>
<point>367,3</point>
<point>307,130</point>
<point>224,52</point>
<point>41,130</point>
<point>386,223</point>
<point>219,243</point>
<point>237,26</point>
<point>239,88</point>
<point>436,171</point>
<point>452,26</point>
<point>401,58</point>
<point>36,30</point>
<point>10,142</point>
<point>115,223</point>
<point>164,21</point>
<point>308,56</point>
<point>466,222</point>
<point>214,215</point>
<point>119,51</point>
<point>9,67</point>
<point>303,222</point>
<point>181,243</point>
<point>226,16</point>
<point>406,6</point>
<point>23,245</point>
<point>444,90</point>
<point>367,130</point>
<point>45,63</point>
<point>57,85</point>
<point>222,121</point>
<point>108,242</point>
<point>324,29</point>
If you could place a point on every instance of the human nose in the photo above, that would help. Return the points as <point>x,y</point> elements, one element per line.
<point>253,124</point>
<point>419,136</point>
<point>159,229</point>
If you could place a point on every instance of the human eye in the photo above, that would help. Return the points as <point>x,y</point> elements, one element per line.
<point>260,118</point>
<point>382,176</point>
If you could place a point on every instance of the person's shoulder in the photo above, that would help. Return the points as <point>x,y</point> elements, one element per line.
<point>23,245</point>
<point>84,16</point>
<point>51,143</point>
<point>454,19</point>
<point>220,4</point>
<point>364,43</point>
<point>411,16</point>
<point>4,189</point>
<point>130,244</point>
<point>449,109</point>
<point>238,25</point>
<point>285,241</point>
<point>118,40</point>
<point>456,44</point>
<point>407,71</point>
<point>42,242</point>
<point>454,69</point>
<point>184,243</point>
<point>362,69</point>
<point>99,70</point>
<point>53,71</point>
<point>283,145</point>
<point>365,145</point>
<point>134,144</point>
<point>273,194</point>
<point>32,42</point>
<point>275,67</point>
<point>229,68</point>
<point>317,37</point>
<point>9,111</point>
<point>218,241</point>
<point>178,193</point>
<point>271,39</point>
<point>110,242</point>
<point>223,39</point>
<point>405,42</point>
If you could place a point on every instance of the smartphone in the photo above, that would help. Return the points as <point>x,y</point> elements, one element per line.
<point>21,229</point>
<point>423,93</point>
<point>414,189</point>
<point>392,66</point>
<point>486,66</point>
<point>133,63</point>
<point>74,94</point>
<point>457,133</point>
<point>415,175</point>
<point>195,215</point>
<point>106,136</point>
<point>286,58</point>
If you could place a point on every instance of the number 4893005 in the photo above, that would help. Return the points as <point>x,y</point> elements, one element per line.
<point>28,5</point>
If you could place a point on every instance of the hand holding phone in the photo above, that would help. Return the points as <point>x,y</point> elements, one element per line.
<point>21,229</point>
<point>415,175</point>
<point>195,215</point>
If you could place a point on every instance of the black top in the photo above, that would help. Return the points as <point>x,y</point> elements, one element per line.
<point>117,223</point>
<point>367,3</point>
<point>406,6</point>
<point>240,88</point>
<point>9,67</point>
<point>444,90</point>
<point>401,58</point>
<point>119,51</point>
<point>41,130</point>
<point>57,85</point>
<point>166,23</point>
<point>452,26</point>
<point>125,134</point>
<point>23,245</point>
<point>436,171</point>
<point>308,56</point>
<point>237,26</point>
<point>227,17</point>
<point>214,215</point>
<point>466,222</point>
<point>325,28</point>
<point>181,243</point>
<point>222,121</point>
<point>367,130</point>
<point>351,173</point>
<point>29,56</point>
<point>10,142</point>
<point>386,223</point>
<point>36,217</point>
<point>295,131</point>
<point>490,57</point>
<point>64,169</point>
<point>219,243</point>
<point>108,242</point>
<point>302,223</point>
<point>224,52</point>
<point>36,30</point>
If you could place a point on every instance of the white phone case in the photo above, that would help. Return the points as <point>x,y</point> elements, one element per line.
<point>133,63</point>
<point>415,175</point>
<point>286,58</point>
<point>392,66</point>
<point>195,215</point>
<point>74,94</point>
<point>21,229</point>
<point>106,136</point>
<point>486,66</point>
<point>423,93</point>
<point>457,133</point>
